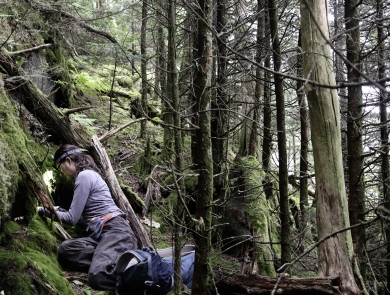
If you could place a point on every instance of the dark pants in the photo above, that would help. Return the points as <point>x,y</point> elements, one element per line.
<point>99,257</point>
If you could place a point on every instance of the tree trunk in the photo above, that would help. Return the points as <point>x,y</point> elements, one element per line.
<point>267,112</point>
<point>218,120</point>
<point>203,275</point>
<point>177,156</point>
<point>383,103</point>
<point>160,80</point>
<point>335,254</point>
<point>285,233</point>
<point>355,159</point>
<point>338,13</point>
<point>253,139</point>
<point>144,90</point>
<point>303,164</point>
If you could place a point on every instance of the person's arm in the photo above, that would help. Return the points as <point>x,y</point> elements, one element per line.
<point>82,190</point>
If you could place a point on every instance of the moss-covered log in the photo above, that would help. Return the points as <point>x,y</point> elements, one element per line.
<point>262,285</point>
<point>37,103</point>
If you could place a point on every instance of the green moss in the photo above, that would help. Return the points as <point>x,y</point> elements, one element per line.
<point>12,142</point>
<point>224,262</point>
<point>28,260</point>
<point>11,227</point>
<point>191,183</point>
<point>86,82</point>
<point>17,283</point>
<point>258,210</point>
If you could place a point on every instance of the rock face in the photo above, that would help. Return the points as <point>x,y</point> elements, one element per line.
<point>36,67</point>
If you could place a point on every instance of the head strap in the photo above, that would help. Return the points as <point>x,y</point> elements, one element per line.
<point>67,154</point>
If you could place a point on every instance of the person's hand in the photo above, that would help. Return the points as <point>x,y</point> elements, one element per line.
<point>59,209</point>
<point>41,211</point>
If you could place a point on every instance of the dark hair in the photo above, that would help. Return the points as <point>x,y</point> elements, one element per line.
<point>82,160</point>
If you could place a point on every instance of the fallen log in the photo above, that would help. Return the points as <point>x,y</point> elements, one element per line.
<point>37,103</point>
<point>236,284</point>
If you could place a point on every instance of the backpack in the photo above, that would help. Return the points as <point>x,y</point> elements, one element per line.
<point>150,271</point>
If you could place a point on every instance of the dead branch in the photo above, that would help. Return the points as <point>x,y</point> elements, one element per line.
<point>292,180</point>
<point>37,103</point>
<point>62,231</point>
<point>75,110</point>
<point>116,130</point>
<point>114,93</point>
<point>33,180</point>
<point>331,235</point>
<point>29,50</point>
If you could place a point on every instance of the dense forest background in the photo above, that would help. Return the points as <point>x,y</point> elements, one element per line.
<point>256,130</point>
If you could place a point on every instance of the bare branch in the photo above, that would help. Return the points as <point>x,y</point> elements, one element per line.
<point>116,130</point>
<point>75,110</point>
<point>29,50</point>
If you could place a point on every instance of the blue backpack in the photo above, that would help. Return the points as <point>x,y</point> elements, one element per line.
<point>149,271</point>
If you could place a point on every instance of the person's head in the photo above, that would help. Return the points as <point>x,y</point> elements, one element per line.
<point>70,160</point>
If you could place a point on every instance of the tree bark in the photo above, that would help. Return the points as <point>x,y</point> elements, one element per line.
<point>384,130</point>
<point>355,159</point>
<point>262,285</point>
<point>303,160</point>
<point>285,238</point>
<point>334,255</point>
<point>203,276</point>
<point>144,90</point>
<point>253,139</point>
<point>218,119</point>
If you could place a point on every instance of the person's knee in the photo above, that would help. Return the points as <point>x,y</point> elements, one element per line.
<point>62,251</point>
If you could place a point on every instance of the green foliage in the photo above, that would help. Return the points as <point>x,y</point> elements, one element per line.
<point>86,122</point>
<point>87,83</point>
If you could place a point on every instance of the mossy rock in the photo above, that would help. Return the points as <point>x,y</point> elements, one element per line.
<point>28,260</point>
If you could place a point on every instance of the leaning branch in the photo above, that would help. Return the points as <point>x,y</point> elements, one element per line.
<point>331,235</point>
<point>75,110</point>
<point>29,50</point>
<point>116,130</point>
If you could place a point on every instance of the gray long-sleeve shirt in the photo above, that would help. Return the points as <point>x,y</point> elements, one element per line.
<point>91,198</point>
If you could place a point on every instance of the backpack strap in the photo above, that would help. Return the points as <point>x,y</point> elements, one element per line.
<point>124,261</point>
<point>151,273</point>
